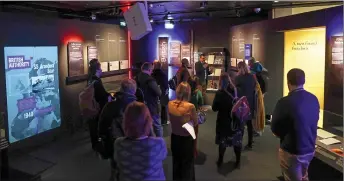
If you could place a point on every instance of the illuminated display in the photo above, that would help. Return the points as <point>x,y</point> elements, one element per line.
<point>32,87</point>
<point>305,49</point>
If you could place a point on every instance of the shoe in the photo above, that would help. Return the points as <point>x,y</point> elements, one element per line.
<point>219,162</point>
<point>248,147</point>
<point>237,165</point>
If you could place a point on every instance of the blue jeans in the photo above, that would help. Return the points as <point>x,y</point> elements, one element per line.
<point>157,127</point>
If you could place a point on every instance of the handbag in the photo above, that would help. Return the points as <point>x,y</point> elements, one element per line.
<point>201,116</point>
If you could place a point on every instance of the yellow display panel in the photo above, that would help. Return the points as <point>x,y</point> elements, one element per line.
<point>305,49</point>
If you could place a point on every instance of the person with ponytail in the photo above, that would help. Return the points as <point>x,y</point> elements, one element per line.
<point>229,130</point>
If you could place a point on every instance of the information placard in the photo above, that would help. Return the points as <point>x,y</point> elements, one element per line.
<point>92,53</point>
<point>75,59</point>
<point>32,89</point>
<point>114,65</point>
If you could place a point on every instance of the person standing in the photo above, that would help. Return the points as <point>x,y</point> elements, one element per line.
<point>101,96</point>
<point>183,74</point>
<point>139,156</point>
<point>152,93</point>
<point>181,111</point>
<point>202,72</point>
<point>246,85</point>
<point>162,81</point>
<point>294,122</point>
<point>229,130</point>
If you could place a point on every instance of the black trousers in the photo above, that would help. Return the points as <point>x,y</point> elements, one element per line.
<point>93,129</point>
<point>164,117</point>
<point>183,158</point>
<point>249,132</point>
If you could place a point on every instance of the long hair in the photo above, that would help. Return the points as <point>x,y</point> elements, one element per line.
<point>137,120</point>
<point>194,83</point>
<point>183,92</point>
<point>93,66</point>
<point>226,81</point>
<point>243,68</point>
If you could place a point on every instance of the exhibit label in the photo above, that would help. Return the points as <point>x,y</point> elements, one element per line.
<point>92,53</point>
<point>33,99</point>
<point>248,51</point>
<point>186,51</point>
<point>337,50</point>
<point>75,59</point>
<point>175,53</point>
<point>163,51</point>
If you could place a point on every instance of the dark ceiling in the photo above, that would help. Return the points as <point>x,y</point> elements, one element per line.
<point>159,10</point>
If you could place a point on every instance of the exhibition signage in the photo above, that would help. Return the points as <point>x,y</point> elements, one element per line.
<point>92,53</point>
<point>337,50</point>
<point>186,51</point>
<point>32,90</point>
<point>248,51</point>
<point>163,51</point>
<point>175,53</point>
<point>75,59</point>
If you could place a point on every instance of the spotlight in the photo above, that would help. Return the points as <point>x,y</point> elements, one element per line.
<point>151,20</point>
<point>238,13</point>
<point>93,16</point>
<point>151,5</point>
<point>257,10</point>
<point>169,24</point>
<point>203,4</point>
<point>122,23</point>
<point>276,1</point>
<point>169,16</point>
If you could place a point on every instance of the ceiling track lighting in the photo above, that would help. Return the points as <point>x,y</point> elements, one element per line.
<point>203,4</point>
<point>93,16</point>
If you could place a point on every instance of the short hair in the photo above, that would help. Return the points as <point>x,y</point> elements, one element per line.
<point>185,62</point>
<point>243,68</point>
<point>137,120</point>
<point>202,55</point>
<point>146,66</point>
<point>157,65</point>
<point>183,91</point>
<point>296,77</point>
<point>252,60</point>
<point>128,86</point>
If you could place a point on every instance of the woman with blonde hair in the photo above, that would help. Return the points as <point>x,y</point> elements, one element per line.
<point>139,156</point>
<point>181,111</point>
<point>246,84</point>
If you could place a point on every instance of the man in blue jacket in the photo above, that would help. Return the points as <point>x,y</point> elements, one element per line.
<point>294,122</point>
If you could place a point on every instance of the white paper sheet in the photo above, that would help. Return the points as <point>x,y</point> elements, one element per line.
<point>105,66</point>
<point>211,59</point>
<point>217,72</point>
<point>329,141</point>
<point>114,65</point>
<point>233,62</point>
<point>190,128</point>
<point>324,134</point>
<point>124,64</point>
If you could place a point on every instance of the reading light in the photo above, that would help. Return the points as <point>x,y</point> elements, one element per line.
<point>122,23</point>
<point>93,16</point>
<point>169,25</point>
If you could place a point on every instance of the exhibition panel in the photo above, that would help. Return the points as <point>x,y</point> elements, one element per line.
<point>305,49</point>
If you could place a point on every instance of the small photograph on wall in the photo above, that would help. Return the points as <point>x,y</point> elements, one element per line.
<point>124,64</point>
<point>104,66</point>
<point>75,59</point>
<point>114,65</point>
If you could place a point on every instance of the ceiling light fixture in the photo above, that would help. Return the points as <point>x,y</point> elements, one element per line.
<point>93,16</point>
<point>151,20</point>
<point>276,1</point>
<point>169,24</point>
<point>151,5</point>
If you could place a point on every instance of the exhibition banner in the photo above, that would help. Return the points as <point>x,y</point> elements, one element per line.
<point>75,59</point>
<point>32,89</point>
<point>175,53</point>
<point>163,52</point>
<point>92,53</point>
<point>305,49</point>
<point>186,51</point>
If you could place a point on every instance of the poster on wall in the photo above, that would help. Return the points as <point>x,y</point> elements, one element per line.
<point>175,53</point>
<point>75,59</point>
<point>114,65</point>
<point>104,66</point>
<point>186,52</point>
<point>123,64</point>
<point>32,89</point>
<point>92,53</point>
<point>163,52</point>
<point>248,51</point>
<point>337,50</point>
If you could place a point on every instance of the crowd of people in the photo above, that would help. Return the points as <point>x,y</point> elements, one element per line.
<point>128,129</point>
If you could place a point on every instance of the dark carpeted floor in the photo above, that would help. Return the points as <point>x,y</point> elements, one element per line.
<point>73,160</point>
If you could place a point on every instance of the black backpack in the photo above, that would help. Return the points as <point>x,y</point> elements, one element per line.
<point>262,78</point>
<point>172,83</point>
